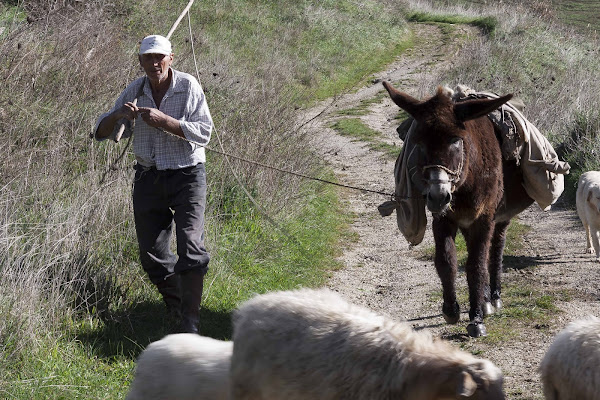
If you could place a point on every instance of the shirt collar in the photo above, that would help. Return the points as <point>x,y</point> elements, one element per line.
<point>173,87</point>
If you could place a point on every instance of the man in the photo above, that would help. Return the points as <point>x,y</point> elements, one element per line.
<point>170,179</point>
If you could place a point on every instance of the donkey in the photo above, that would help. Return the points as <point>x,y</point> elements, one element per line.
<point>468,186</point>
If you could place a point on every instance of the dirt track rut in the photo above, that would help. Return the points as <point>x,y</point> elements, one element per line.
<point>383,273</point>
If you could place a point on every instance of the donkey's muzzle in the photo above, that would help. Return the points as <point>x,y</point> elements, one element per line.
<point>438,204</point>
<point>439,191</point>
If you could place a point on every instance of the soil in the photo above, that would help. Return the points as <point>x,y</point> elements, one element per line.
<point>381,271</point>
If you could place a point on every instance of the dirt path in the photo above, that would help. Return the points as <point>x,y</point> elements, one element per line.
<point>384,274</point>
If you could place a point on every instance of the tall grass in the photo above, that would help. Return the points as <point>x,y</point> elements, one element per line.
<point>71,288</point>
<point>75,307</point>
<point>551,67</point>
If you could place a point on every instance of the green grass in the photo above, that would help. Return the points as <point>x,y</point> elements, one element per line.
<point>514,237</point>
<point>355,128</point>
<point>67,370</point>
<point>582,14</point>
<point>264,257</point>
<point>524,308</point>
<point>363,108</point>
<point>486,24</point>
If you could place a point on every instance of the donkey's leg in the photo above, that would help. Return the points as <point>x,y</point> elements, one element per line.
<point>478,246</point>
<point>487,306</point>
<point>495,266</point>
<point>444,233</point>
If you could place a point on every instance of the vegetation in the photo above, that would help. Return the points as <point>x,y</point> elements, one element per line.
<point>550,66</point>
<point>75,307</point>
<point>581,14</point>
<point>486,24</point>
<point>356,129</point>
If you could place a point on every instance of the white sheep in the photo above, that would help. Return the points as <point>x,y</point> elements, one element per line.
<point>183,366</point>
<point>588,208</point>
<point>311,344</point>
<point>570,369</point>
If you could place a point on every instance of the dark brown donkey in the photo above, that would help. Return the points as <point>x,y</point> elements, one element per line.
<point>469,187</point>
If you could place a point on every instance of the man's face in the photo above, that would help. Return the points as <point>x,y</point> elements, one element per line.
<point>156,66</point>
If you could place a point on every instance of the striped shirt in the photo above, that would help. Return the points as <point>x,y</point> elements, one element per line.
<point>184,101</point>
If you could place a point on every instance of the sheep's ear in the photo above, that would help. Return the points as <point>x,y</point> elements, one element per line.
<point>589,198</point>
<point>466,385</point>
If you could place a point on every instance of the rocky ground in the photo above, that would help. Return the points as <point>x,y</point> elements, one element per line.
<point>383,273</point>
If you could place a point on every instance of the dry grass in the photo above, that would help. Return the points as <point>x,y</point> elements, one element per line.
<point>67,243</point>
<point>551,67</point>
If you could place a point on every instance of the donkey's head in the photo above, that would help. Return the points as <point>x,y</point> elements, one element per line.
<point>440,137</point>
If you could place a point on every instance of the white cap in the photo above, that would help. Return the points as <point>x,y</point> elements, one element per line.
<point>155,44</point>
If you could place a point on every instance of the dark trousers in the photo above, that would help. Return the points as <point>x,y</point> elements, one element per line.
<point>161,198</point>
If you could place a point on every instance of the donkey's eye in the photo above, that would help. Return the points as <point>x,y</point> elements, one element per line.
<point>455,142</point>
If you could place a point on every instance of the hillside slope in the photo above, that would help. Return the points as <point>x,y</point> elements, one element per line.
<point>383,273</point>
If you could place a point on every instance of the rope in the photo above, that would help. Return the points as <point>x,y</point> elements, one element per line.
<point>299,174</point>
<point>455,174</point>
<point>226,154</point>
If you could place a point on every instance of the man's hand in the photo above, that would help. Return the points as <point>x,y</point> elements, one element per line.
<point>153,117</point>
<point>129,110</point>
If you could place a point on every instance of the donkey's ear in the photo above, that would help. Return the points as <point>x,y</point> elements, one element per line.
<point>404,101</point>
<point>472,109</point>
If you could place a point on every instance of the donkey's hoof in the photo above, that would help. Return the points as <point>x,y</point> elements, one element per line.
<point>497,303</point>
<point>476,330</point>
<point>451,313</point>
<point>488,308</point>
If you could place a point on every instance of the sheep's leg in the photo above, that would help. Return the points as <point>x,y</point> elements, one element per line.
<point>495,267</point>
<point>594,233</point>
<point>478,246</point>
<point>588,242</point>
<point>444,233</point>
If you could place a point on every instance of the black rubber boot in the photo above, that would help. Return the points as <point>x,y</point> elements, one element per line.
<point>191,284</point>
<point>169,289</point>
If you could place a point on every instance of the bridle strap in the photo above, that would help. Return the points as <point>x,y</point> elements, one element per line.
<point>454,174</point>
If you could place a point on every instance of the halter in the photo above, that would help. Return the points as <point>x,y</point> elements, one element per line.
<point>454,174</point>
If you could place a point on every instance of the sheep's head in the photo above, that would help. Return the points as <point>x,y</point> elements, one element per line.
<point>478,381</point>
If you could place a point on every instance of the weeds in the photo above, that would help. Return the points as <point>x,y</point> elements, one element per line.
<point>70,282</point>
<point>486,24</point>
<point>74,305</point>
<point>355,128</point>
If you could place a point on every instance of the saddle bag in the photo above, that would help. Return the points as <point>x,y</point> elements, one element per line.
<point>409,202</point>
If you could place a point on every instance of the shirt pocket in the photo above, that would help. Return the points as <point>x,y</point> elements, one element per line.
<point>175,105</point>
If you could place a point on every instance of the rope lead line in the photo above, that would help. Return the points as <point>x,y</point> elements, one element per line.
<point>183,13</point>
<point>299,174</point>
<point>223,153</point>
